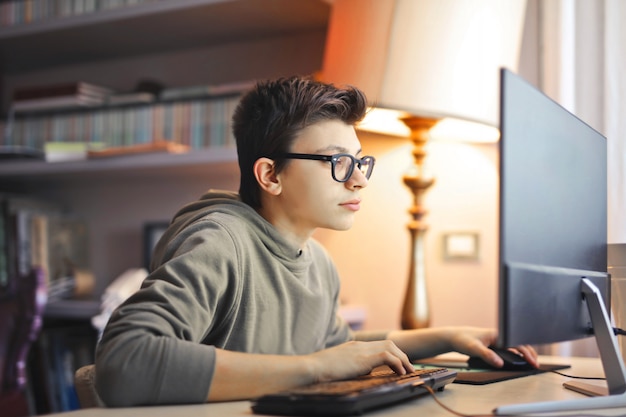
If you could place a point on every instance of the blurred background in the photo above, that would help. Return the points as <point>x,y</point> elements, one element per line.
<point>190,51</point>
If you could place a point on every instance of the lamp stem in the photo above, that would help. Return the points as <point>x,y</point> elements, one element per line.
<point>416,310</point>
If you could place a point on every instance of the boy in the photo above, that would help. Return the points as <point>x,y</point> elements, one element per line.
<point>241,301</point>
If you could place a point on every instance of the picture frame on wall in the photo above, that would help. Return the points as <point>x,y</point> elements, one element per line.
<point>152,232</point>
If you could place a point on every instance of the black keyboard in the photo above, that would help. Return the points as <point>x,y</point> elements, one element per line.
<point>371,381</point>
<point>354,396</point>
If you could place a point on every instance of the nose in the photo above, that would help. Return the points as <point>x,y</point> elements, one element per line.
<point>357,179</point>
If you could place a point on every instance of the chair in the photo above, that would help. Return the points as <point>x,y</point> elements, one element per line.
<point>21,315</point>
<point>84,382</point>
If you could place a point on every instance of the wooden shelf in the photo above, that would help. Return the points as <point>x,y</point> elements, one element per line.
<point>72,309</point>
<point>154,27</point>
<point>136,166</point>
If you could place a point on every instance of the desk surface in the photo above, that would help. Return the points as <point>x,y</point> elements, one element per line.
<point>467,399</point>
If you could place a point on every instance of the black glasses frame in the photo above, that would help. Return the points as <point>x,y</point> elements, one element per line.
<point>367,161</point>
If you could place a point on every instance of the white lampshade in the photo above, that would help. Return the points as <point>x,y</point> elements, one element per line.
<point>429,58</point>
<point>430,62</point>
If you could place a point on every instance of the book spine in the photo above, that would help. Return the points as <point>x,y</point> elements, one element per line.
<point>198,124</point>
<point>23,228</point>
<point>39,244</point>
<point>4,251</point>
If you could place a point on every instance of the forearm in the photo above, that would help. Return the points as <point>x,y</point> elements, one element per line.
<point>246,375</point>
<point>424,343</point>
<point>240,376</point>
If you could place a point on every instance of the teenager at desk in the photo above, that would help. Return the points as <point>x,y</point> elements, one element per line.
<point>241,301</point>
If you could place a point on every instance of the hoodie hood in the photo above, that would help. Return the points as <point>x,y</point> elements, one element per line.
<point>228,207</point>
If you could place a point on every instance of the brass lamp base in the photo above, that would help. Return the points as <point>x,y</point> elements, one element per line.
<point>416,309</point>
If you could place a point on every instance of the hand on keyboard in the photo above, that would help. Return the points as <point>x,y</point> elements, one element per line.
<point>353,359</point>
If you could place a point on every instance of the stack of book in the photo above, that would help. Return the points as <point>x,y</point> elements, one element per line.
<point>17,12</point>
<point>56,354</point>
<point>70,95</point>
<point>38,232</point>
<point>196,123</point>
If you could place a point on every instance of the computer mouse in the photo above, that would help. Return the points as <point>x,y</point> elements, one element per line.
<point>512,361</point>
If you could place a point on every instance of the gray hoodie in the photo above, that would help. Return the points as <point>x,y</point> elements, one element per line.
<point>222,276</point>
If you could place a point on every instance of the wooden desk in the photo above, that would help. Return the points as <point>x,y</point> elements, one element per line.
<point>466,399</point>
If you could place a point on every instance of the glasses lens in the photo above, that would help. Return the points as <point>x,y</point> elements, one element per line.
<point>367,165</point>
<point>343,167</point>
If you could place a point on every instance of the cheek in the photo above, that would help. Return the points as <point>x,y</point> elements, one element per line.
<point>311,196</point>
<point>311,199</point>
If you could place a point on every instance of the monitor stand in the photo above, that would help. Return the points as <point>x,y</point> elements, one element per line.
<point>611,362</point>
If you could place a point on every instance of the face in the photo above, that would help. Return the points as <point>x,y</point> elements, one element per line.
<point>310,197</point>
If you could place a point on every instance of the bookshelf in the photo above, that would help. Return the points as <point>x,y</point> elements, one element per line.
<point>178,43</point>
<point>220,161</point>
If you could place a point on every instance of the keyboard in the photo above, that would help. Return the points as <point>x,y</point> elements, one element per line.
<point>378,389</point>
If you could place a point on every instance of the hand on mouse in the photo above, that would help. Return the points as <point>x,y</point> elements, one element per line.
<point>476,342</point>
<point>472,341</point>
<point>529,353</point>
<point>492,357</point>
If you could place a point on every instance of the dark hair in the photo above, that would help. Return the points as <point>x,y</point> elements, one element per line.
<point>269,117</point>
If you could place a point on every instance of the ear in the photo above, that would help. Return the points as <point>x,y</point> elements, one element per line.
<point>266,177</point>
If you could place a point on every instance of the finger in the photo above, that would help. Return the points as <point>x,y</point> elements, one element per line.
<point>492,357</point>
<point>530,354</point>
<point>398,360</point>
<point>406,362</point>
<point>478,349</point>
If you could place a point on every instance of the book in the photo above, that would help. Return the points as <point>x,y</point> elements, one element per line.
<point>57,102</point>
<point>198,91</point>
<point>197,123</point>
<point>152,147</point>
<point>67,95</point>
<point>59,352</point>
<point>38,232</point>
<point>68,246</point>
<point>20,152</point>
<point>39,243</point>
<point>70,151</point>
<point>61,90</point>
<point>5,272</point>
<point>19,213</point>
<point>130,98</point>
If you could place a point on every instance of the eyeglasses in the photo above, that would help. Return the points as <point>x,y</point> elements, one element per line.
<point>342,164</point>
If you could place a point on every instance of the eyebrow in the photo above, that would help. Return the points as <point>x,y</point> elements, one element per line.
<point>340,149</point>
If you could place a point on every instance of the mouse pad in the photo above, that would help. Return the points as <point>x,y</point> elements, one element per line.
<point>488,376</point>
<point>482,377</point>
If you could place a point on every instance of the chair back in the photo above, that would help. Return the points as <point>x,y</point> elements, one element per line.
<point>84,381</point>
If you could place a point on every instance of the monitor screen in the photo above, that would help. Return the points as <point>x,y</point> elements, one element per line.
<point>553,221</point>
<point>553,283</point>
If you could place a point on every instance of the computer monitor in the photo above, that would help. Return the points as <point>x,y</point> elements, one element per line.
<point>553,280</point>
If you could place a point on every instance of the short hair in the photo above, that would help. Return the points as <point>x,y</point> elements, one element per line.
<point>269,117</point>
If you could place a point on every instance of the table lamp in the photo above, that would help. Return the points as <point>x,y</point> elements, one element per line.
<point>430,68</point>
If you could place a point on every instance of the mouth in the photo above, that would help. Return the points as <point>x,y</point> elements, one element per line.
<point>353,205</point>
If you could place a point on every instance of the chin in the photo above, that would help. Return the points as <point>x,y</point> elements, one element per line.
<point>341,226</point>
<point>341,222</point>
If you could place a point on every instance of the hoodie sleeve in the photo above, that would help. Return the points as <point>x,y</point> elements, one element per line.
<point>151,351</point>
